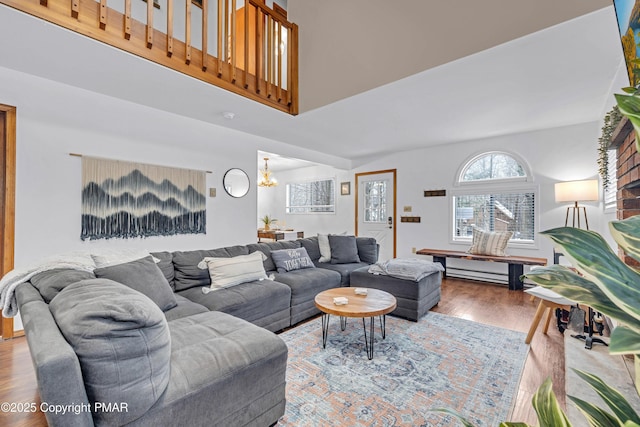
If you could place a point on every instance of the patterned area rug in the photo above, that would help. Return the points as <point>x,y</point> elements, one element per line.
<point>441,361</point>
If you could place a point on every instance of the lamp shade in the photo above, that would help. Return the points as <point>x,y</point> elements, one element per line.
<point>577,191</point>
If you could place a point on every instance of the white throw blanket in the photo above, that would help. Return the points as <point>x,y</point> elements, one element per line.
<point>406,268</point>
<point>74,260</point>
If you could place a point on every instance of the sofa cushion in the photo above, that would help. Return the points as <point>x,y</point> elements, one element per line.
<point>291,259</point>
<point>189,275</point>
<point>344,249</point>
<point>267,247</point>
<point>231,271</point>
<point>325,248</point>
<point>489,242</point>
<point>107,257</point>
<point>312,247</point>
<point>165,263</point>
<point>367,249</point>
<point>144,276</point>
<point>184,308</point>
<point>50,282</point>
<point>122,342</point>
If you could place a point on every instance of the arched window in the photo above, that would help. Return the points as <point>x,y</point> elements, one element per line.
<point>494,192</point>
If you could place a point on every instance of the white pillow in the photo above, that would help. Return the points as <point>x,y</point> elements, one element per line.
<point>489,242</point>
<point>325,249</point>
<point>226,272</point>
<point>109,257</point>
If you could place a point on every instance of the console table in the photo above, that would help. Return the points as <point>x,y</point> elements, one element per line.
<point>277,234</point>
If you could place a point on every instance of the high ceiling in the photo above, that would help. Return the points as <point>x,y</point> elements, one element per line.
<point>464,72</point>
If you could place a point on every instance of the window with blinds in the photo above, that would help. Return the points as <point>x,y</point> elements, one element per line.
<point>492,196</point>
<point>311,197</point>
<point>610,193</point>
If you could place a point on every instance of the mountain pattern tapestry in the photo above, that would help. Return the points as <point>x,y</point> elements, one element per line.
<point>124,199</point>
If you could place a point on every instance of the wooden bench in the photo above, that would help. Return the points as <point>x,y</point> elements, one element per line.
<point>516,263</point>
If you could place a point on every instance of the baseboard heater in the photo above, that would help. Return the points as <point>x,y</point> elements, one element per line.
<point>481,276</point>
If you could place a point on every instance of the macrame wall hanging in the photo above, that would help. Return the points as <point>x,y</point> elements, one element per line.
<point>124,199</point>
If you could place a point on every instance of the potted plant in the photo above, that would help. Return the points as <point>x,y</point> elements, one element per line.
<point>267,221</point>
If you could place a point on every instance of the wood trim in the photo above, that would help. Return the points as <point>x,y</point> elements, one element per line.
<point>8,194</point>
<point>395,200</point>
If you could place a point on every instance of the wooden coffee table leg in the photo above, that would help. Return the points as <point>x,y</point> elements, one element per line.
<point>325,329</point>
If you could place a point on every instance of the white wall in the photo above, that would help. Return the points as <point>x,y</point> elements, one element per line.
<point>567,153</point>
<point>272,201</point>
<point>54,120</point>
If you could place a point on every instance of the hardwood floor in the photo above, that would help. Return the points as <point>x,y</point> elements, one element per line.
<point>480,302</point>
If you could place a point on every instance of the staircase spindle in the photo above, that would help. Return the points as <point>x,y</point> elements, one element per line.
<point>233,41</point>
<point>127,19</point>
<point>149,24</point>
<point>75,8</point>
<point>103,14</point>
<point>205,34</point>
<point>220,39</point>
<point>259,44</point>
<point>169,28</point>
<point>187,35</point>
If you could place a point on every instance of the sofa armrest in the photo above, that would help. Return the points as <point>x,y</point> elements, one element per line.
<point>57,367</point>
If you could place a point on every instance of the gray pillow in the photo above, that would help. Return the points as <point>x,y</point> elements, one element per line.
<point>50,282</point>
<point>344,249</point>
<point>144,276</point>
<point>123,344</point>
<point>367,249</point>
<point>291,259</point>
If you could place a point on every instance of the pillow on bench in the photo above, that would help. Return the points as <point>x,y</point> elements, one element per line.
<point>489,242</point>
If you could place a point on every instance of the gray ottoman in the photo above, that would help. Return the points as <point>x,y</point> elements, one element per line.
<point>414,298</point>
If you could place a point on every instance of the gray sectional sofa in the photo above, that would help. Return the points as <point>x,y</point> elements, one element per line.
<point>143,344</point>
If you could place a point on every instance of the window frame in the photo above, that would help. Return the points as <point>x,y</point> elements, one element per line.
<point>520,184</point>
<point>307,181</point>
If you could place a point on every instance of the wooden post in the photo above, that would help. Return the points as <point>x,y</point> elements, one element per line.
<point>169,28</point>
<point>259,49</point>
<point>127,19</point>
<point>220,53</point>
<point>149,24</point>
<point>187,30</point>
<point>233,41</point>
<point>205,34</point>
<point>75,8</point>
<point>103,14</point>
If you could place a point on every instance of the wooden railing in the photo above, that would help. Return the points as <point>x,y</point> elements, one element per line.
<point>239,45</point>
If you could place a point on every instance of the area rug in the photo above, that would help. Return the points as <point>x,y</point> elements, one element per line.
<point>440,361</point>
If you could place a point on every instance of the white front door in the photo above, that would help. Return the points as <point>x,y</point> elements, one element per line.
<point>376,210</point>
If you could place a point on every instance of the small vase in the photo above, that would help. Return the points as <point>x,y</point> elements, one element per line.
<point>267,227</point>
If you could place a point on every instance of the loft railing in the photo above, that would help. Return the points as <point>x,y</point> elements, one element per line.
<point>239,45</point>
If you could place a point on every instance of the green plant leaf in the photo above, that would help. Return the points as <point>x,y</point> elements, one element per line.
<point>626,233</point>
<point>510,424</point>
<point>567,283</point>
<point>624,341</point>
<point>456,414</point>
<point>631,424</point>
<point>612,397</point>
<point>549,412</point>
<point>597,417</point>
<point>593,257</point>
<point>630,106</point>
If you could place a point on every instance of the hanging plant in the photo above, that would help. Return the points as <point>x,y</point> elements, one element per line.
<point>611,120</point>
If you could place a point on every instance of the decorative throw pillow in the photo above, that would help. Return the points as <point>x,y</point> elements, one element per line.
<point>107,257</point>
<point>226,272</point>
<point>123,344</point>
<point>489,242</point>
<point>144,276</point>
<point>344,249</point>
<point>291,259</point>
<point>367,249</point>
<point>325,249</point>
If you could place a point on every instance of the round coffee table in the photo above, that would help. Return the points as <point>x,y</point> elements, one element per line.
<point>375,303</point>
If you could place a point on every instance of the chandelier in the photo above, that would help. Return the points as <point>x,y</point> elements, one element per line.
<point>265,176</point>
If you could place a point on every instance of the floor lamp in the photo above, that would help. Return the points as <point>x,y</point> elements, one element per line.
<point>577,191</point>
<point>580,191</point>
